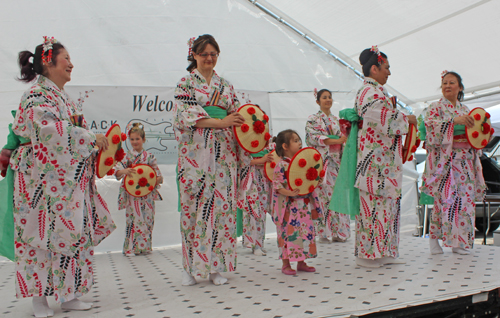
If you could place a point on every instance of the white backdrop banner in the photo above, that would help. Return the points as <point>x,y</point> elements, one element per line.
<point>153,107</point>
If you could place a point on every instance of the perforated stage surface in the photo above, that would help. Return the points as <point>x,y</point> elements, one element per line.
<point>150,286</point>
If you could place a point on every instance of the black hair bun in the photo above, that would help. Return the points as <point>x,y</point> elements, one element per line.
<point>365,56</point>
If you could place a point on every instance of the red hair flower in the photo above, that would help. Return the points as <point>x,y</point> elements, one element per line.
<point>475,134</point>
<point>120,154</point>
<point>251,110</point>
<point>273,165</point>
<point>109,161</point>
<point>110,172</point>
<point>484,142</point>
<point>124,136</point>
<point>311,188</point>
<point>487,115</point>
<point>115,139</point>
<point>322,173</point>
<point>137,192</point>
<point>302,163</point>
<point>317,157</point>
<point>143,182</point>
<point>151,188</point>
<point>140,171</point>
<point>254,143</point>
<point>259,126</point>
<point>266,118</point>
<point>130,182</point>
<point>311,174</point>
<point>477,117</point>
<point>244,128</point>
<point>298,182</point>
<point>486,128</point>
<point>151,175</point>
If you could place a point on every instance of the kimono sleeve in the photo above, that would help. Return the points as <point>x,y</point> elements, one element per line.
<point>378,113</point>
<point>188,111</point>
<point>439,131</point>
<point>233,102</point>
<point>314,136</point>
<point>54,136</point>
<point>280,181</point>
<point>153,163</point>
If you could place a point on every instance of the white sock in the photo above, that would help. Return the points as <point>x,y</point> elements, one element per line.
<point>435,247</point>
<point>259,252</point>
<point>41,308</point>
<point>390,260</point>
<point>324,240</point>
<point>217,279</point>
<point>460,251</point>
<point>187,279</point>
<point>76,304</point>
<point>371,263</point>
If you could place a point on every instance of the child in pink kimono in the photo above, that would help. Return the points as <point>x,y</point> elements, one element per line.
<point>293,214</point>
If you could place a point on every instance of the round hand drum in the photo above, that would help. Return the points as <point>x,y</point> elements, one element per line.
<point>142,182</point>
<point>411,143</point>
<point>479,135</point>
<point>305,170</point>
<point>106,160</point>
<point>253,135</point>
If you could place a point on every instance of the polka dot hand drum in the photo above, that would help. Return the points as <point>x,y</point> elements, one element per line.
<point>142,182</point>
<point>305,170</point>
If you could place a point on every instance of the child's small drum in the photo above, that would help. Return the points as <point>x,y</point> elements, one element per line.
<point>305,170</point>
<point>142,183</point>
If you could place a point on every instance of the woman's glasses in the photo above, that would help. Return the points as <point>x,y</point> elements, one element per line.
<point>205,55</point>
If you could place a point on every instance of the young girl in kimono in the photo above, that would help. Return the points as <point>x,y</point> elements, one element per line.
<point>140,211</point>
<point>255,200</point>
<point>323,133</point>
<point>292,213</point>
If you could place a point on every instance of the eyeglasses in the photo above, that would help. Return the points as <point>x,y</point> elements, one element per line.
<point>205,55</point>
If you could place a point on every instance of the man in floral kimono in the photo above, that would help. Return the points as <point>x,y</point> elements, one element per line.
<point>379,171</point>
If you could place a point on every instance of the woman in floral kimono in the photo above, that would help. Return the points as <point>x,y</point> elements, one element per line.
<point>453,173</point>
<point>59,216</point>
<point>323,133</point>
<point>206,107</point>
<point>254,199</point>
<point>379,171</point>
<point>140,211</point>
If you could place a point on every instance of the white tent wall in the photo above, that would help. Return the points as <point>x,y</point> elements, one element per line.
<point>143,43</point>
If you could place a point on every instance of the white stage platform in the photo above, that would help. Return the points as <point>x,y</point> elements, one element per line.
<point>149,286</point>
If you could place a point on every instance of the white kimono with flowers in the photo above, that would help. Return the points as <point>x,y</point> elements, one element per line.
<point>207,174</point>
<point>453,176</point>
<point>318,127</point>
<point>58,214</point>
<point>379,173</point>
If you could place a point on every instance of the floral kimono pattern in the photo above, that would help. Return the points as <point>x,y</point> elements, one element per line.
<point>294,219</point>
<point>207,176</point>
<point>140,212</point>
<point>58,215</point>
<point>254,199</point>
<point>318,127</point>
<point>453,176</point>
<point>379,172</point>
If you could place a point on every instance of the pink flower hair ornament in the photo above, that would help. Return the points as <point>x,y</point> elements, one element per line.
<point>190,43</point>
<point>375,50</point>
<point>47,48</point>
<point>443,73</point>
<point>315,91</point>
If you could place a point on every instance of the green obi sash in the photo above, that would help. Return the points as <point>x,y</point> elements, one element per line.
<point>7,199</point>
<point>239,222</point>
<point>458,130</point>
<point>215,112</point>
<point>345,198</point>
<point>260,154</point>
<point>333,136</point>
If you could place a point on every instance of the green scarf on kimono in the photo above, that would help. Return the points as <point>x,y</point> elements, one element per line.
<point>426,199</point>
<point>213,112</point>
<point>345,198</point>
<point>7,199</point>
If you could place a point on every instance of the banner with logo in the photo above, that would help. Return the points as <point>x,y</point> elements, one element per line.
<point>153,107</point>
